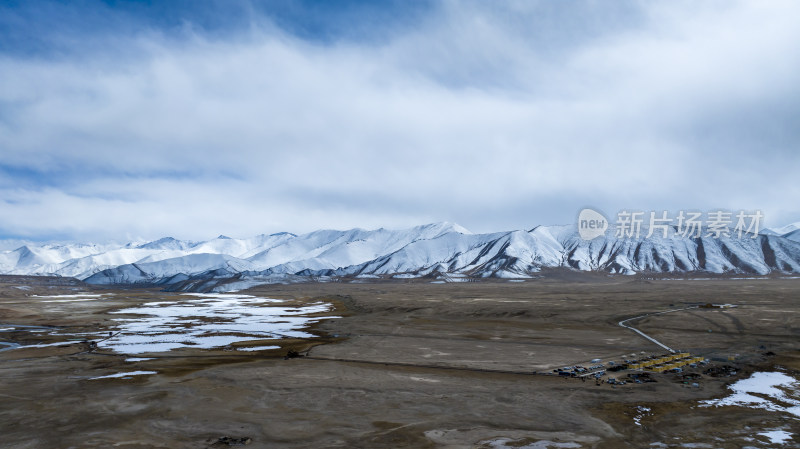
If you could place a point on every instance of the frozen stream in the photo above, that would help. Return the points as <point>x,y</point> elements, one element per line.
<point>6,345</point>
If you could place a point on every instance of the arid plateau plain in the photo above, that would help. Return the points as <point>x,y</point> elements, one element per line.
<point>401,364</point>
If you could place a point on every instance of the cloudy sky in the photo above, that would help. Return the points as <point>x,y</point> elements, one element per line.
<point>123,120</point>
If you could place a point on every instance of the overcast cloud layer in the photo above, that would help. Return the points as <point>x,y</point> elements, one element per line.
<point>201,119</point>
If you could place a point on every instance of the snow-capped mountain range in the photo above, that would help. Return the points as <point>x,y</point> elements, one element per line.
<point>439,250</point>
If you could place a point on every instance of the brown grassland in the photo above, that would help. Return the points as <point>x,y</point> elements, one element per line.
<point>407,364</point>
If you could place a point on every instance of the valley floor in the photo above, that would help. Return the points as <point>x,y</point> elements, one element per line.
<point>409,364</point>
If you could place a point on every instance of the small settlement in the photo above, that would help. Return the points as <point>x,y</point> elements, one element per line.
<point>640,368</point>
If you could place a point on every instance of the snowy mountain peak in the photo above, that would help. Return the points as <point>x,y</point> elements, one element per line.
<point>166,243</point>
<point>783,230</point>
<point>444,227</point>
<point>434,250</point>
<point>283,233</point>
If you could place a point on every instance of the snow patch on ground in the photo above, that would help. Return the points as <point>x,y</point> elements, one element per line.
<point>47,345</point>
<point>508,443</point>
<point>258,348</point>
<point>76,295</point>
<point>777,436</point>
<point>124,375</point>
<point>641,412</point>
<point>768,384</point>
<point>208,320</point>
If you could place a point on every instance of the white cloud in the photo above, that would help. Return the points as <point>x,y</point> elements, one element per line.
<point>472,116</point>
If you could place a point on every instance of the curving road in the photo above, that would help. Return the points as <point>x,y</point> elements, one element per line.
<point>622,323</point>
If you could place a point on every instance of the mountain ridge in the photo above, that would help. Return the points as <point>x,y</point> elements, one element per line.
<point>436,250</point>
